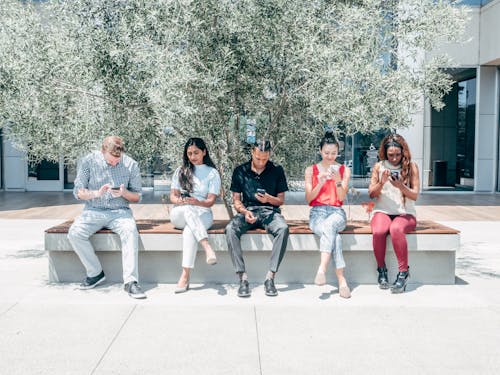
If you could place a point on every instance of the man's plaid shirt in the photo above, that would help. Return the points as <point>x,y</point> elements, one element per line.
<point>94,172</point>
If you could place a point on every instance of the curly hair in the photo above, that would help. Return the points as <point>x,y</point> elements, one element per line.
<point>396,140</point>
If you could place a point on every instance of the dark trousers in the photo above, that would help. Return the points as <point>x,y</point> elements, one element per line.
<point>272,221</point>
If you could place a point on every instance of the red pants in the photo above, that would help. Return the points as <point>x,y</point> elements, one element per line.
<point>397,226</point>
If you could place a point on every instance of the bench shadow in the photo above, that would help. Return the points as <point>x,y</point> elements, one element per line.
<point>104,288</point>
<point>24,254</point>
<point>460,281</point>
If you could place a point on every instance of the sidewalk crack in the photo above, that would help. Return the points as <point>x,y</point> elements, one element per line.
<point>113,340</point>
<point>258,338</point>
<point>8,309</point>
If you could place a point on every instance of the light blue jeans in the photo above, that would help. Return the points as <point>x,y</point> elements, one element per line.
<point>119,221</point>
<point>327,222</point>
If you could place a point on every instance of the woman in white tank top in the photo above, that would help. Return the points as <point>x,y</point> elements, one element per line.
<point>395,184</point>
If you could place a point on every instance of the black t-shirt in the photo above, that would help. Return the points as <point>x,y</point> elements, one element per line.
<point>245,181</point>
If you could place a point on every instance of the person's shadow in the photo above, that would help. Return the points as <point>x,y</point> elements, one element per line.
<point>332,292</point>
<point>221,290</point>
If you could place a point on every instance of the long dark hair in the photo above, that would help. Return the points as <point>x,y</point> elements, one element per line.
<point>187,168</point>
<point>329,139</point>
<point>395,140</point>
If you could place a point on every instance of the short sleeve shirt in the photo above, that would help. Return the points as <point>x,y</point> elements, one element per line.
<point>246,182</point>
<point>94,172</point>
<point>206,180</point>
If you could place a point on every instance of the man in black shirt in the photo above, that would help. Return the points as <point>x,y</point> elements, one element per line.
<point>258,188</point>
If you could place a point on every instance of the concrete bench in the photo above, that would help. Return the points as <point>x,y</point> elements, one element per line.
<point>432,248</point>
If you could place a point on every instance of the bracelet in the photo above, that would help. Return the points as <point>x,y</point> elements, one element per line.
<point>338,184</point>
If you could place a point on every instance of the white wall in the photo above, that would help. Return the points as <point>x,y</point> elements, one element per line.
<point>14,168</point>
<point>482,33</point>
<point>489,52</point>
<point>465,53</point>
<point>486,148</point>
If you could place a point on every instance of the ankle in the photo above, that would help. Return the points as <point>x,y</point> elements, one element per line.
<point>321,269</point>
<point>208,250</point>
<point>342,281</point>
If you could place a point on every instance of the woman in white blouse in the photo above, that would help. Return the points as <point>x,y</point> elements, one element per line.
<point>195,187</point>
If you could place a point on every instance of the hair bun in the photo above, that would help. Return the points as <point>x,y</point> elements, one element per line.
<point>330,136</point>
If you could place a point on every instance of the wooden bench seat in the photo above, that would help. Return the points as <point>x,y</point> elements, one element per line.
<point>296,227</point>
<point>432,248</point>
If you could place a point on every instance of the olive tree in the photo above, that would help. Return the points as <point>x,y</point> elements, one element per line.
<point>157,72</point>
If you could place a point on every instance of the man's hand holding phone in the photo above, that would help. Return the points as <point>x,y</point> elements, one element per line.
<point>261,195</point>
<point>116,191</point>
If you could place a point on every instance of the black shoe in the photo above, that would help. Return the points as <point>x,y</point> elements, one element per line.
<point>92,282</point>
<point>134,290</point>
<point>244,289</point>
<point>270,288</point>
<point>399,285</point>
<point>383,281</point>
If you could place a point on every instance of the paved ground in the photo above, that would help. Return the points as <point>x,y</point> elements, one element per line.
<point>57,329</point>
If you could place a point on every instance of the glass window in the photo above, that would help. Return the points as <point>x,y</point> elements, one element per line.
<point>361,154</point>
<point>466,133</point>
<point>69,176</point>
<point>43,171</point>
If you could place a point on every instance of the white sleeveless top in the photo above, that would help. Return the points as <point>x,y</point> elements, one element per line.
<point>390,201</point>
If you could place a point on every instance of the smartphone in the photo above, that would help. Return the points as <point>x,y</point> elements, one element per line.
<point>184,194</point>
<point>261,191</point>
<point>115,188</point>
<point>395,175</point>
<point>334,167</point>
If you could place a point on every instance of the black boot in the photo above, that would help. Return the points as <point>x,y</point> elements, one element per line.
<point>383,281</point>
<point>399,285</point>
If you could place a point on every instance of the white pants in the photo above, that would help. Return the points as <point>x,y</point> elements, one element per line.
<point>194,221</point>
<point>119,221</point>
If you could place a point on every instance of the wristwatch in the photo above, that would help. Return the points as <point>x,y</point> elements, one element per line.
<point>338,184</point>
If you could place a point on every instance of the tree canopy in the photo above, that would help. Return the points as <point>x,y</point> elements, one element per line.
<point>157,72</point>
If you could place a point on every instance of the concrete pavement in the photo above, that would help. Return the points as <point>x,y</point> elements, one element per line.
<point>58,329</point>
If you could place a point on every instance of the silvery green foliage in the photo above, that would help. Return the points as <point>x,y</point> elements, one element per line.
<point>73,72</point>
<point>157,72</point>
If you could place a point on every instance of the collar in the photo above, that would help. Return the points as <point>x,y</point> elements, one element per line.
<point>268,166</point>
<point>103,160</point>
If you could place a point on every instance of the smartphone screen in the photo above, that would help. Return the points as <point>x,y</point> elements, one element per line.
<point>115,188</point>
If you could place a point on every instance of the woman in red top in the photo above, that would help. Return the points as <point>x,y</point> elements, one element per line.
<point>326,186</point>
